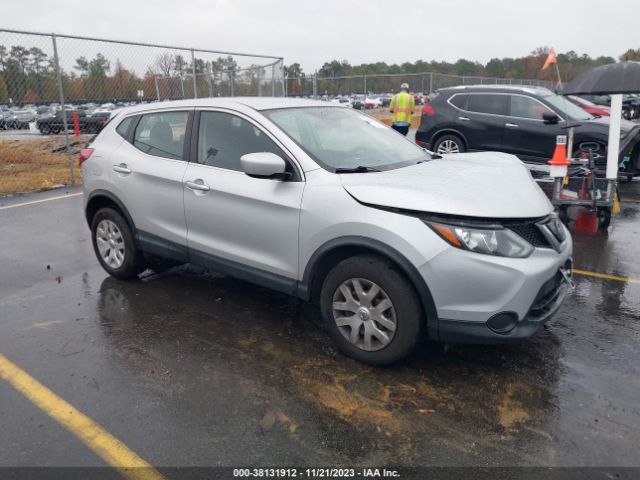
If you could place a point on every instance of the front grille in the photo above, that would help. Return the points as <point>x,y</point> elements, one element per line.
<point>531,233</point>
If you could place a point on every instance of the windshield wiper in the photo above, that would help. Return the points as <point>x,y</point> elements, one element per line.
<point>358,169</point>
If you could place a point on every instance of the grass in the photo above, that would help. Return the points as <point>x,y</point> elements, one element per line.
<point>33,165</point>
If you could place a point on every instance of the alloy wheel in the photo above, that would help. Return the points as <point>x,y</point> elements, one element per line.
<point>448,146</point>
<point>364,314</point>
<point>110,243</point>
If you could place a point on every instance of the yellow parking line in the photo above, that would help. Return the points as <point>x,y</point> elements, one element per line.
<point>105,445</point>
<point>24,204</point>
<point>606,276</point>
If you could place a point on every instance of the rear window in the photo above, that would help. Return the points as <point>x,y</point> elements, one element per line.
<point>459,100</point>
<point>123,127</point>
<point>487,103</point>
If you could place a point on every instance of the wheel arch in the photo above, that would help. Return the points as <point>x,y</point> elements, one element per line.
<point>101,199</point>
<point>334,251</point>
<point>449,131</point>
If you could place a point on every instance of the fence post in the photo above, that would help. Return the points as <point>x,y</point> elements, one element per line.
<point>285,85</point>
<point>430,82</point>
<point>231,80</point>
<point>56,61</point>
<point>365,87</point>
<point>273,80</point>
<point>155,78</point>
<point>259,78</point>
<point>193,69</point>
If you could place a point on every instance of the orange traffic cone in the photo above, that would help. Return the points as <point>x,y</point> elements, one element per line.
<point>559,162</point>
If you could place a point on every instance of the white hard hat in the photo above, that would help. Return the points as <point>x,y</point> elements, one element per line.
<point>405,85</point>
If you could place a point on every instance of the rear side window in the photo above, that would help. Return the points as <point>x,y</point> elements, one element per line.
<point>459,101</point>
<point>123,127</point>
<point>162,134</point>
<point>487,103</point>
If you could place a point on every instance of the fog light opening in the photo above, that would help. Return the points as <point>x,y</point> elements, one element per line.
<point>503,322</point>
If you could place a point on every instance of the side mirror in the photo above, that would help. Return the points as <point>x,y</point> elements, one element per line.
<point>550,118</point>
<point>264,165</point>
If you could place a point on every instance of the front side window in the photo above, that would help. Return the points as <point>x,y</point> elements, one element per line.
<point>162,134</point>
<point>526,107</point>
<point>223,138</point>
<point>338,137</point>
<point>487,103</point>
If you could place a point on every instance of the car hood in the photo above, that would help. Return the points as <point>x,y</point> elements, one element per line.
<point>602,124</point>
<point>486,184</point>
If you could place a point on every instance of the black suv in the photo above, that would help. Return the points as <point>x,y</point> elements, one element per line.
<point>523,121</point>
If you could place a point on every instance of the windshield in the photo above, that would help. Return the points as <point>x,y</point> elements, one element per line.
<point>567,108</point>
<point>338,137</point>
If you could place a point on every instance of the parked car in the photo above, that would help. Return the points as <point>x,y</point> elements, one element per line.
<point>55,124</point>
<point>590,107</point>
<point>523,121</point>
<point>328,204</point>
<point>20,119</point>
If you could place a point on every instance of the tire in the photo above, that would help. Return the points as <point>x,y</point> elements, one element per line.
<point>123,260</point>
<point>45,130</point>
<point>448,144</point>
<point>604,219</point>
<point>404,313</point>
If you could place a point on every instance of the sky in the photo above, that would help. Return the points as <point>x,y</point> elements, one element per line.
<point>312,32</point>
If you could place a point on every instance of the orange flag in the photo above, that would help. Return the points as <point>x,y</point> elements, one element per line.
<point>551,58</point>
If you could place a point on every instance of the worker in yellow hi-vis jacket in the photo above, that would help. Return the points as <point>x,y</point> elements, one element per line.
<point>402,107</point>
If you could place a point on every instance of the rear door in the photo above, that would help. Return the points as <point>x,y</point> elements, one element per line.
<point>483,120</point>
<point>236,223</point>
<point>525,133</point>
<point>146,174</point>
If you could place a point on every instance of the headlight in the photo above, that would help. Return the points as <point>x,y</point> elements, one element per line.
<point>491,241</point>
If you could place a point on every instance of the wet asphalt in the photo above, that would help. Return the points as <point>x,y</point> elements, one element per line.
<point>190,368</point>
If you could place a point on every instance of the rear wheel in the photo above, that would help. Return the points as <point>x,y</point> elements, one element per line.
<point>371,310</point>
<point>449,144</point>
<point>114,245</point>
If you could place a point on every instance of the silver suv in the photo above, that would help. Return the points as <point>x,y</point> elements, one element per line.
<point>325,203</point>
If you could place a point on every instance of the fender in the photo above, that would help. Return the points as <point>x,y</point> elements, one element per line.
<point>118,202</point>
<point>444,131</point>
<point>424,294</point>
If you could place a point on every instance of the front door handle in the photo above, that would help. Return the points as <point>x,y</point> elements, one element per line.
<point>464,119</point>
<point>198,185</point>
<point>122,168</point>
<point>512,125</point>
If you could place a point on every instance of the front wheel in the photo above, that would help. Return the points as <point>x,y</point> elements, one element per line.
<point>114,245</point>
<point>371,310</point>
<point>449,144</point>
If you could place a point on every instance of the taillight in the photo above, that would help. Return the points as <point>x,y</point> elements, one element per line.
<point>428,110</point>
<point>85,153</point>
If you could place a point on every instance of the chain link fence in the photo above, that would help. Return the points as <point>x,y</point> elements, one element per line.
<point>427,82</point>
<point>67,87</point>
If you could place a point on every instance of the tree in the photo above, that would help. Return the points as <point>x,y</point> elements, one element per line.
<point>495,68</point>
<point>96,84</point>
<point>82,65</point>
<point>165,62</point>
<point>293,71</point>
<point>631,55</point>
<point>4,93</point>
<point>3,56</point>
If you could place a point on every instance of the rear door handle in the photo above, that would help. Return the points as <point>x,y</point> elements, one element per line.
<point>198,185</point>
<point>464,119</point>
<point>122,168</point>
<point>512,125</point>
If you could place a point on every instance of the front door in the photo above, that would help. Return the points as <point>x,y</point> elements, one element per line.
<point>526,134</point>
<point>243,225</point>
